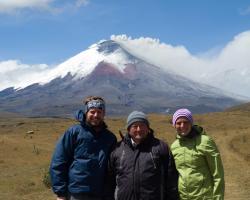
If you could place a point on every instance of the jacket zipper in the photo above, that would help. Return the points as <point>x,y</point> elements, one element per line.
<point>151,155</point>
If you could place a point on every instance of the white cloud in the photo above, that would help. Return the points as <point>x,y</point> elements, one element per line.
<point>245,11</point>
<point>9,6</point>
<point>13,73</point>
<point>80,3</point>
<point>231,69</point>
<point>53,6</point>
<point>228,68</point>
<point>169,57</point>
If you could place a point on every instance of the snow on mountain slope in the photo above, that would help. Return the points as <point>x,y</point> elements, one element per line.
<point>85,62</point>
<point>78,66</point>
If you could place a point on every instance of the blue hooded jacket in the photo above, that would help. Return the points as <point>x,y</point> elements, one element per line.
<point>79,163</point>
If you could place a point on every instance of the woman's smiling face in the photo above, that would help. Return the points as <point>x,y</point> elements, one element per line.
<point>183,126</point>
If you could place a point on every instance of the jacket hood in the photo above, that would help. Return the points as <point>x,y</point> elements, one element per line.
<point>198,129</point>
<point>80,116</point>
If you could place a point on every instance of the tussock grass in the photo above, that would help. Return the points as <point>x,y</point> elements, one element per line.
<point>24,158</point>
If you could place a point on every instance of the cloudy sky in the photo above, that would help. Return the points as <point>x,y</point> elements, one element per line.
<point>38,34</point>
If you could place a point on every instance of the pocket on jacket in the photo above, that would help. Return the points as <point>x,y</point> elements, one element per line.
<point>196,183</point>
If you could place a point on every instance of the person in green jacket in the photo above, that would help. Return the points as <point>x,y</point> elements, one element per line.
<point>197,159</point>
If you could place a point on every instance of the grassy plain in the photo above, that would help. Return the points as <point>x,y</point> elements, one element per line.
<point>24,155</point>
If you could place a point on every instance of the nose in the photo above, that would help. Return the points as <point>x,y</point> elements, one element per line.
<point>138,128</point>
<point>96,114</point>
<point>182,124</point>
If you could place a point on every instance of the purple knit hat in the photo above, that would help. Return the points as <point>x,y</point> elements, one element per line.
<point>183,112</point>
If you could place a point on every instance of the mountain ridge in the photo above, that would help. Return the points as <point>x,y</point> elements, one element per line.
<point>126,83</point>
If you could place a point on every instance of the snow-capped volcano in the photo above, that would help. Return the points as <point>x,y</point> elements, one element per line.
<point>125,81</point>
<point>84,63</point>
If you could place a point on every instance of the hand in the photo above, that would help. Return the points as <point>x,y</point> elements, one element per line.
<point>61,198</point>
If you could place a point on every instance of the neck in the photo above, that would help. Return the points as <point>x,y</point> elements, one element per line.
<point>96,129</point>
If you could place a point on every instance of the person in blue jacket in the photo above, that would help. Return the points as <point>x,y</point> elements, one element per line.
<point>79,164</point>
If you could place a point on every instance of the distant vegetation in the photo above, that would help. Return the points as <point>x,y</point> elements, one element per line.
<point>243,107</point>
<point>26,145</point>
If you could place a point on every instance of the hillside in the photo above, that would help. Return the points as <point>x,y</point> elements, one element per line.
<point>24,156</point>
<point>242,107</point>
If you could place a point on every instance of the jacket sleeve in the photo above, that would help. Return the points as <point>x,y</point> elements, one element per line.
<point>170,174</point>
<point>216,169</point>
<point>61,160</point>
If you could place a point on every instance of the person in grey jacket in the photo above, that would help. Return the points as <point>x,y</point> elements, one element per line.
<point>141,166</point>
<point>79,164</point>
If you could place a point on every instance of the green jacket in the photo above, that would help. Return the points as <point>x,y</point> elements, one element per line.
<point>197,159</point>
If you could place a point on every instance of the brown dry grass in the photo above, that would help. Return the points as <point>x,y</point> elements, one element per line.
<point>24,157</point>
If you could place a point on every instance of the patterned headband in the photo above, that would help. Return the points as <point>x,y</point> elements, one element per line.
<point>94,104</point>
